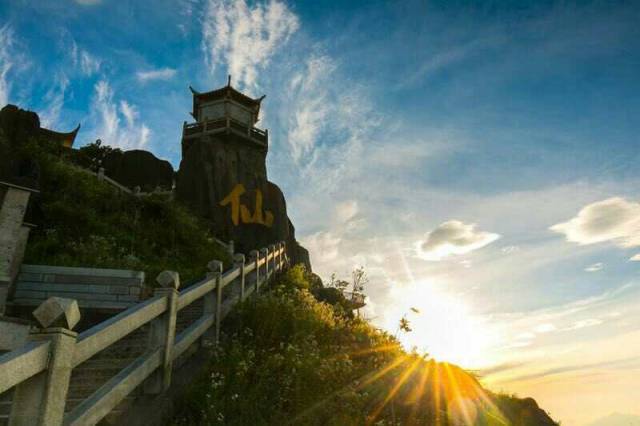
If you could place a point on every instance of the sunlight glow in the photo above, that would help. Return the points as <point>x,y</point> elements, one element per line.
<point>444,327</point>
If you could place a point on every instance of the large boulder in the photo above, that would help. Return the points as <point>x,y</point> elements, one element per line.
<point>17,127</point>
<point>139,168</point>
<point>224,180</point>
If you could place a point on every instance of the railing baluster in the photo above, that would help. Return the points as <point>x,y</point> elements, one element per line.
<point>255,257</point>
<point>40,400</point>
<point>163,331</point>
<point>265,252</point>
<point>238,262</point>
<point>272,253</point>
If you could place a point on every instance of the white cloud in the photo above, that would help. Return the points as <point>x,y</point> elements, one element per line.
<point>55,101</point>
<point>615,220</point>
<point>245,38</point>
<point>510,249</point>
<point>323,245</point>
<point>545,328</point>
<point>89,64</point>
<point>6,63</point>
<point>594,267</point>
<point>453,238</point>
<point>577,325</point>
<point>83,60</point>
<point>635,258</point>
<point>346,210</point>
<point>159,74</point>
<point>309,89</point>
<point>109,113</point>
<point>88,2</point>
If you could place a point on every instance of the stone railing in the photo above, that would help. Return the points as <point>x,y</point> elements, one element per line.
<point>100,174</point>
<point>357,299</point>
<point>39,372</point>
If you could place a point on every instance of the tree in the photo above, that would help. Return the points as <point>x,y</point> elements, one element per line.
<point>337,283</point>
<point>91,156</point>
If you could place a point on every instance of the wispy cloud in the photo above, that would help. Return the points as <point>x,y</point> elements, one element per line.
<point>244,37</point>
<point>309,89</point>
<point>82,60</point>
<point>618,363</point>
<point>157,74</point>
<point>109,115</point>
<point>324,245</point>
<point>6,63</point>
<point>54,98</point>
<point>453,238</point>
<point>615,220</point>
<point>577,325</point>
<point>595,267</point>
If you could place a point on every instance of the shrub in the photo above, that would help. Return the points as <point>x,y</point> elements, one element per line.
<point>85,222</point>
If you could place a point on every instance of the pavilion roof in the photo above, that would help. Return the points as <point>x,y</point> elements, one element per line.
<point>64,139</point>
<point>225,92</point>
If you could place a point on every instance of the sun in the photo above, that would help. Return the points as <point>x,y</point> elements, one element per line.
<point>444,326</point>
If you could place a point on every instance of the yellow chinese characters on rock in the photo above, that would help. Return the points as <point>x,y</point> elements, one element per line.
<point>241,213</point>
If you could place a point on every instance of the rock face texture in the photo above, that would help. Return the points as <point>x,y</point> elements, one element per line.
<point>139,168</point>
<point>223,178</point>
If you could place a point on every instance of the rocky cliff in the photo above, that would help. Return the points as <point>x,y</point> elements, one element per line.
<point>223,178</point>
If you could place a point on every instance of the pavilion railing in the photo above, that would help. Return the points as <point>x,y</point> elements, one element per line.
<point>225,124</point>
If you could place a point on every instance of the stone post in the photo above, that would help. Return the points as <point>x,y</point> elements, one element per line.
<point>12,236</point>
<point>238,262</point>
<point>213,300</point>
<point>163,331</point>
<point>100,173</point>
<point>267,271</point>
<point>265,252</point>
<point>40,400</point>
<point>254,255</point>
<point>272,249</point>
<point>284,255</point>
<point>279,256</point>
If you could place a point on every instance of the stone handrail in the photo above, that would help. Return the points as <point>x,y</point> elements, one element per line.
<point>41,370</point>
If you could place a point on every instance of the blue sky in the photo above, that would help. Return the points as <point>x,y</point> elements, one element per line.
<point>479,160</point>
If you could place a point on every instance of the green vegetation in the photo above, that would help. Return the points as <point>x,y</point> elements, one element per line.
<point>85,222</point>
<point>289,359</point>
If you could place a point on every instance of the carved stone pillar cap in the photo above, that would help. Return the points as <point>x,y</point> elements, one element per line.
<point>58,312</point>
<point>169,279</point>
<point>215,266</point>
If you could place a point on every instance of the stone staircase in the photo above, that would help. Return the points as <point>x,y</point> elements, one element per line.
<point>96,371</point>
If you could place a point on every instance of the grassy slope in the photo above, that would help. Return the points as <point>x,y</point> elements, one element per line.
<point>289,359</point>
<point>84,222</point>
